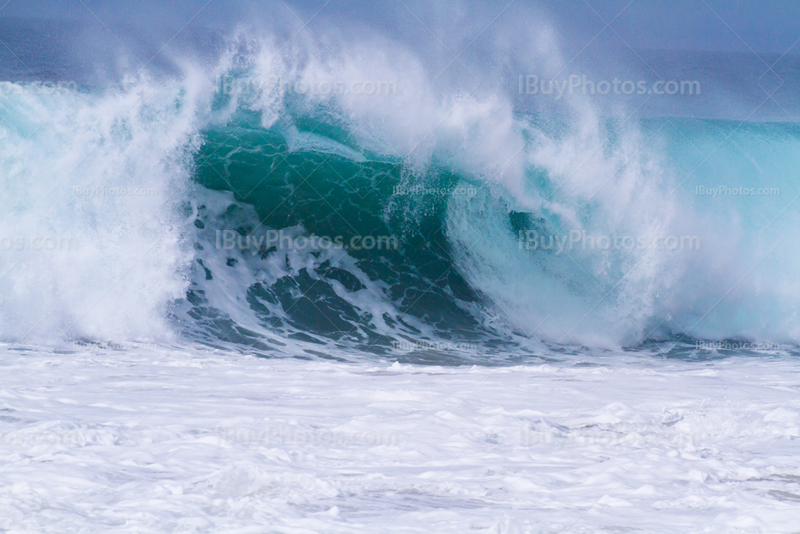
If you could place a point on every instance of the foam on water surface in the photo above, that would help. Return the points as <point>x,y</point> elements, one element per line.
<point>164,440</point>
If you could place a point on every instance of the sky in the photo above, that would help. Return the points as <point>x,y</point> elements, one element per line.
<point>710,25</point>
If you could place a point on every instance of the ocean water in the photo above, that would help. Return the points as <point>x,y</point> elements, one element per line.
<point>314,286</point>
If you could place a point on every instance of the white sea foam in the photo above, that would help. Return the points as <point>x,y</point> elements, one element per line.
<point>192,440</point>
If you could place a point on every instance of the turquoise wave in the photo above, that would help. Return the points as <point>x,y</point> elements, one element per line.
<point>417,228</point>
<point>465,268</point>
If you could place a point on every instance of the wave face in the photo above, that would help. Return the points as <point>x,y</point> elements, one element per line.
<point>291,200</point>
